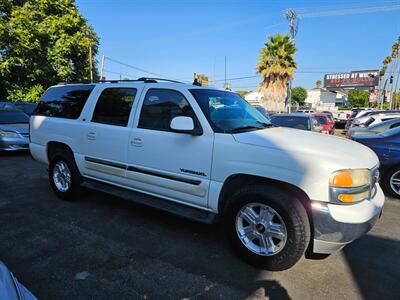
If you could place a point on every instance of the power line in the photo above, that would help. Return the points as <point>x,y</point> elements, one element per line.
<point>330,12</point>
<point>120,73</point>
<point>133,67</point>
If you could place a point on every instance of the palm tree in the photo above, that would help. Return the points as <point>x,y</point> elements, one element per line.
<point>276,66</point>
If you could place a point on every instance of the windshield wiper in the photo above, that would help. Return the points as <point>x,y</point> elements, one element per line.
<point>266,125</point>
<point>244,127</point>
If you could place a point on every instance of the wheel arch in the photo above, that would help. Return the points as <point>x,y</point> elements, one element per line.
<point>233,182</point>
<point>53,146</point>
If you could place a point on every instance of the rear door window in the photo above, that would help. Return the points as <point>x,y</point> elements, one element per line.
<point>114,106</point>
<point>64,101</point>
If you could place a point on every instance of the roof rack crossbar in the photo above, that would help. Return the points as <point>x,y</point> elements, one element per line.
<point>155,79</point>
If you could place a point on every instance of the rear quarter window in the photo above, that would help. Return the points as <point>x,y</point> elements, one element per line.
<point>64,101</point>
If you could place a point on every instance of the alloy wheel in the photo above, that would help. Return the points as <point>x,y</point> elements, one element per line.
<point>261,229</point>
<point>62,176</point>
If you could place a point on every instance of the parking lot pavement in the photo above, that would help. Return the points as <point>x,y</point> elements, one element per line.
<point>101,247</point>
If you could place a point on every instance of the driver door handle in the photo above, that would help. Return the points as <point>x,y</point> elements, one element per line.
<point>137,142</point>
<point>91,135</point>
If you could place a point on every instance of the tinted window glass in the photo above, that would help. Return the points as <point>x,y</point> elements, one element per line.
<point>291,121</point>
<point>13,117</point>
<point>321,120</point>
<point>369,121</point>
<point>160,106</point>
<point>395,125</point>
<point>114,106</point>
<point>391,132</point>
<point>64,101</point>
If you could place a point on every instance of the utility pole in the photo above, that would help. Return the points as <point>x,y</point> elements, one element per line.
<point>293,18</point>
<point>89,35</point>
<point>225,74</point>
<point>102,67</point>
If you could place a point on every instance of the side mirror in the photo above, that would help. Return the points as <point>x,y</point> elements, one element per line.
<point>183,124</point>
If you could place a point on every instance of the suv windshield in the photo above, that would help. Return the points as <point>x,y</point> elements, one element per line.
<point>13,117</point>
<point>227,112</point>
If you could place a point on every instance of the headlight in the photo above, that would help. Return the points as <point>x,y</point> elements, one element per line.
<point>349,186</point>
<point>8,134</point>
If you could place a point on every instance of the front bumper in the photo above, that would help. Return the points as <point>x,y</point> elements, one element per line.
<point>337,225</point>
<point>14,143</point>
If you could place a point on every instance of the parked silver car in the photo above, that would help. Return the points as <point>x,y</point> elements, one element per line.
<point>374,129</point>
<point>14,130</point>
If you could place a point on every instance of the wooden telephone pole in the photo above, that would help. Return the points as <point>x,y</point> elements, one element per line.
<point>89,35</point>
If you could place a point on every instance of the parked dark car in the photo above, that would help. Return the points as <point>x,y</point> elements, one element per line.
<point>14,130</point>
<point>26,107</point>
<point>296,120</point>
<point>262,110</point>
<point>374,129</point>
<point>387,146</point>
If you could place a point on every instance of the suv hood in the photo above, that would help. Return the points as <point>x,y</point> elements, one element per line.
<point>312,146</point>
<point>22,128</point>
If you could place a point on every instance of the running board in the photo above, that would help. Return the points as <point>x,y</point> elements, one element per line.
<point>181,210</point>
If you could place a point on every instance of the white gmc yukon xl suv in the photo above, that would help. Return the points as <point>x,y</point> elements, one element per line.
<point>208,155</point>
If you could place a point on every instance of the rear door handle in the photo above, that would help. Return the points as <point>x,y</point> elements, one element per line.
<point>137,142</point>
<point>91,136</point>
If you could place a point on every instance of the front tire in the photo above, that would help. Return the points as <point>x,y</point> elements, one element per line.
<point>64,176</point>
<point>391,182</point>
<point>267,227</point>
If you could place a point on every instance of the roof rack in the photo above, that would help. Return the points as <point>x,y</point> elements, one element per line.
<point>144,79</point>
<point>152,79</point>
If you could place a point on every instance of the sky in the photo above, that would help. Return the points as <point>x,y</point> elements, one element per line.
<point>176,38</point>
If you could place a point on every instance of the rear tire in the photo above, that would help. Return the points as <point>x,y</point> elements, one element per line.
<point>277,233</point>
<point>391,182</point>
<point>64,175</point>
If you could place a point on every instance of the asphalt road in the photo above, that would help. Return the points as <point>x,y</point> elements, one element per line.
<point>100,247</point>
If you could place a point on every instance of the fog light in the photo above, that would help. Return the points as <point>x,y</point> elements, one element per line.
<point>346,197</point>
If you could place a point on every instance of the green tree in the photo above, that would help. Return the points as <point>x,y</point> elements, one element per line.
<point>358,98</point>
<point>42,42</point>
<point>318,84</point>
<point>299,95</point>
<point>276,66</point>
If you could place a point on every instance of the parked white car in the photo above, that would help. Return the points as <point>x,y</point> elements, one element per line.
<point>374,119</point>
<point>208,155</point>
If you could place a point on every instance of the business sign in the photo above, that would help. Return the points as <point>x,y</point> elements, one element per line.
<point>354,79</point>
